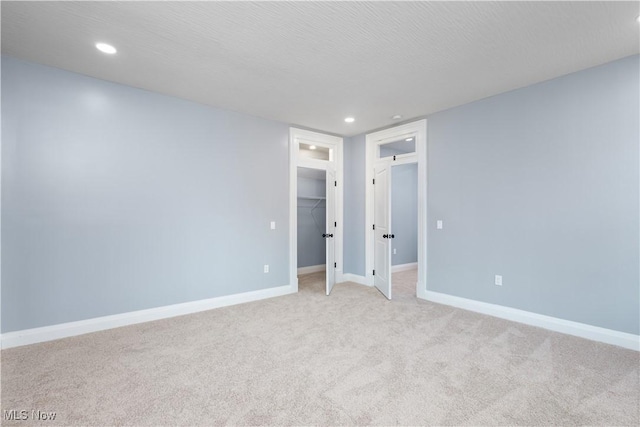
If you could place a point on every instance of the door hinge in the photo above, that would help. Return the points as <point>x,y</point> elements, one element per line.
<point>374,226</point>
<point>374,272</point>
<point>374,181</point>
<point>394,157</point>
<point>335,224</point>
<point>335,183</point>
<point>335,265</point>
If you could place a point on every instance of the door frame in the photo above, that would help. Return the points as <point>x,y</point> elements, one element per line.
<point>336,143</point>
<point>373,141</point>
<point>330,227</point>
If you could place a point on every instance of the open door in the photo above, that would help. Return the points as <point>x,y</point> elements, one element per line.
<point>382,228</point>
<point>330,229</point>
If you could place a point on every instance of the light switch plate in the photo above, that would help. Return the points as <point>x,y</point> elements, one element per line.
<point>439,224</point>
<point>273,225</point>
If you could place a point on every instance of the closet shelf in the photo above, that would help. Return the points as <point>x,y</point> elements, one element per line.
<point>312,198</point>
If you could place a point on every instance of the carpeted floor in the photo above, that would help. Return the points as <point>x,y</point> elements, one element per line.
<point>350,358</point>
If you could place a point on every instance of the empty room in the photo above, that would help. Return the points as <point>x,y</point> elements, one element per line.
<point>320,213</point>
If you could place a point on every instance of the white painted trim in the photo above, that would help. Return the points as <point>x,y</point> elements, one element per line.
<point>594,333</point>
<point>373,140</point>
<point>335,142</point>
<point>293,212</point>
<point>421,290</point>
<point>355,278</point>
<point>404,267</point>
<point>70,329</point>
<point>312,269</point>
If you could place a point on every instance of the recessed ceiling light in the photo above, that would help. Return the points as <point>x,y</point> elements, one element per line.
<point>397,117</point>
<point>409,139</point>
<point>312,147</point>
<point>349,120</point>
<point>106,48</point>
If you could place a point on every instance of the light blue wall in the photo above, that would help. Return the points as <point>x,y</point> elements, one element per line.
<point>404,213</point>
<point>540,185</point>
<point>117,199</point>
<point>311,244</point>
<point>354,204</point>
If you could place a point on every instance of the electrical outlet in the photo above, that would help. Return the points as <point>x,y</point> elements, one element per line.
<point>498,281</point>
<point>439,224</point>
<point>273,225</point>
<point>266,268</point>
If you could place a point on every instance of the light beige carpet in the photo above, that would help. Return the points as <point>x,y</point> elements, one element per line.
<point>350,358</point>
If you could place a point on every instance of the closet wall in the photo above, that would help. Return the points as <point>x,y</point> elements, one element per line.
<point>404,213</point>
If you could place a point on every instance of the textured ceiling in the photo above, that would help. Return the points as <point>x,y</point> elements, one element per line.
<point>313,63</point>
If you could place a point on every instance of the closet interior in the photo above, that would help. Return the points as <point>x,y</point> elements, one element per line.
<point>312,209</point>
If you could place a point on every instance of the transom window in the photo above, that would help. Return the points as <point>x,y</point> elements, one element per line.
<point>405,145</point>
<point>313,151</point>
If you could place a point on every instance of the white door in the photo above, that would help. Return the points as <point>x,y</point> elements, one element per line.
<point>330,230</point>
<point>382,228</point>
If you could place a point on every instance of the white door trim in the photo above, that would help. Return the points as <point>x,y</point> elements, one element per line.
<point>373,141</point>
<point>336,143</point>
<point>331,229</point>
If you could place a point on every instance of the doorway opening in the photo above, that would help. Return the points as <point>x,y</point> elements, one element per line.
<point>404,227</point>
<point>315,201</point>
<point>398,153</point>
<point>312,216</point>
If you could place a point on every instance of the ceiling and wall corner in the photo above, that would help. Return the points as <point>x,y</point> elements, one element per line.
<point>312,64</point>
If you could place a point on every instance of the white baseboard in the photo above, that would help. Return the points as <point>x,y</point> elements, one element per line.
<point>312,269</point>
<point>404,267</point>
<point>64,330</point>
<point>421,290</point>
<point>348,277</point>
<point>594,333</point>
